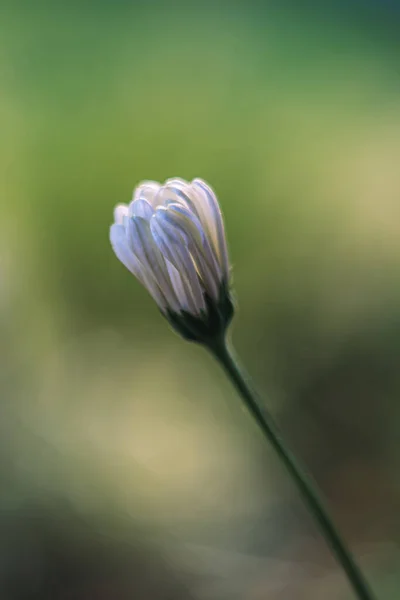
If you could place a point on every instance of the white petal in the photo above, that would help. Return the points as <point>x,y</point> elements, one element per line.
<point>177,191</point>
<point>186,221</point>
<point>191,229</point>
<point>165,195</point>
<point>211,217</point>
<point>174,247</point>
<point>207,275</point>
<point>120,245</point>
<point>184,197</point>
<point>181,288</point>
<point>176,182</point>
<point>174,190</point>
<point>147,190</point>
<point>155,291</point>
<point>146,250</point>
<point>141,208</point>
<point>120,211</point>
<point>122,250</point>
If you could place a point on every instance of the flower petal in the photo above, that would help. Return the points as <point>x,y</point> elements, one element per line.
<point>211,217</point>
<point>181,288</point>
<point>175,191</point>
<point>176,182</point>
<point>120,245</point>
<point>120,211</point>
<point>174,247</point>
<point>191,229</point>
<point>141,208</point>
<point>123,252</point>
<point>146,250</point>
<point>147,190</point>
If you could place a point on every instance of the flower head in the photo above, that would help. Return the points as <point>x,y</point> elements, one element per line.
<point>171,237</point>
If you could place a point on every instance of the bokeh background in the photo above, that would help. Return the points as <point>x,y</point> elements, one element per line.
<point>128,468</point>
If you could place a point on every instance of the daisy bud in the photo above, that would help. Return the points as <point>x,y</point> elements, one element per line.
<point>172,238</point>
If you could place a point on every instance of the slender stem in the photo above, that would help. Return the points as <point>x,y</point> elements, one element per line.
<point>303,482</point>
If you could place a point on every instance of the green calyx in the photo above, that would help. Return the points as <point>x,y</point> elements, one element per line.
<point>211,324</point>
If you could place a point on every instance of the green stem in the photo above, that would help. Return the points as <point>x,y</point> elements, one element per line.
<point>304,484</point>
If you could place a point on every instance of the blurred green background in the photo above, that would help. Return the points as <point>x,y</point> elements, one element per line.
<point>128,467</point>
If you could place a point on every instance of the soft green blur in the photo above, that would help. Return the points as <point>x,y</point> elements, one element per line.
<point>128,467</point>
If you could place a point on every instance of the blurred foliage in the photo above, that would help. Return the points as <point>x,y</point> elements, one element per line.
<point>123,451</point>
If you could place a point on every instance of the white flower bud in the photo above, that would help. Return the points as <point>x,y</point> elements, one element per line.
<point>171,237</point>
